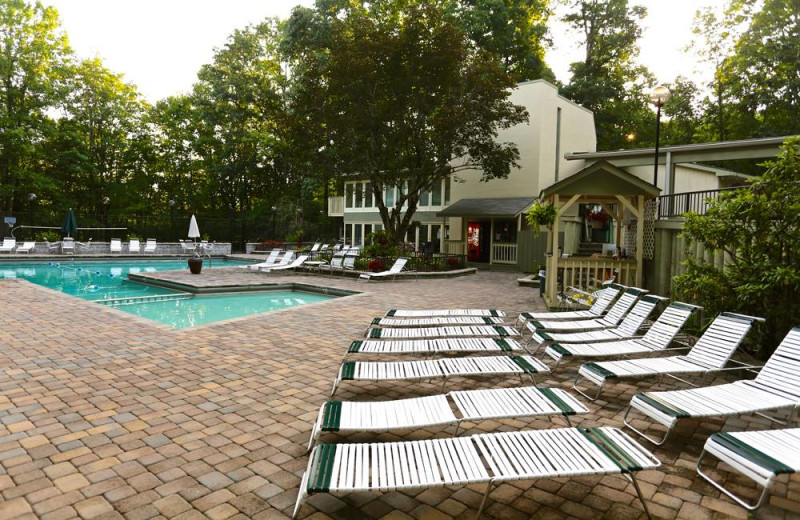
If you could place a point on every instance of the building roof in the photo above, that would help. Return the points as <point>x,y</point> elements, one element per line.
<point>601,179</point>
<point>501,207</point>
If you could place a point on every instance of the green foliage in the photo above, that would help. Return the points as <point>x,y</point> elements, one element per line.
<point>758,230</point>
<point>380,244</point>
<point>394,92</point>
<point>540,214</point>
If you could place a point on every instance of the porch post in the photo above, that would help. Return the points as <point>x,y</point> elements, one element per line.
<point>552,269</point>
<point>491,241</point>
<point>639,240</point>
<point>442,242</point>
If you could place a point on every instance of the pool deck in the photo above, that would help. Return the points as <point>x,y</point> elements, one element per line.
<point>106,416</point>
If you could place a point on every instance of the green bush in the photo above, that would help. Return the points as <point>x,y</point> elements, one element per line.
<point>380,245</point>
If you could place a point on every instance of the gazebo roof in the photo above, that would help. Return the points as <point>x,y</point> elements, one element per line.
<point>601,180</point>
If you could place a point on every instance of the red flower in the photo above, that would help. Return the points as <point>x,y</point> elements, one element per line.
<point>375,266</point>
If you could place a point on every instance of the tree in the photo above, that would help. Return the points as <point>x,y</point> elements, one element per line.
<point>396,89</point>
<point>515,30</point>
<point>681,113</point>
<point>607,81</point>
<point>33,56</point>
<point>758,230</point>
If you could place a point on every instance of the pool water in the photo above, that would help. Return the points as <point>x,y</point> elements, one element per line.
<point>204,309</point>
<point>107,283</point>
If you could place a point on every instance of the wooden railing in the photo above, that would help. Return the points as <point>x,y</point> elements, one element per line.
<point>675,205</point>
<point>454,247</point>
<point>587,272</point>
<point>504,253</point>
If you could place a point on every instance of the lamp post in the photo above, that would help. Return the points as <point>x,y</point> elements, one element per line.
<point>171,203</point>
<point>658,97</point>
<point>31,205</point>
<point>274,209</point>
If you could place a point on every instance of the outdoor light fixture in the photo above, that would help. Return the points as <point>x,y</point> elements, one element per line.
<point>31,196</point>
<point>658,97</point>
<point>106,200</point>
<point>171,203</point>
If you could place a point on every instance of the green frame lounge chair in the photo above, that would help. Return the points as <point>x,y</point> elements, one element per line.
<point>605,297</point>
<point>453,331</point>
<point>427,313</point>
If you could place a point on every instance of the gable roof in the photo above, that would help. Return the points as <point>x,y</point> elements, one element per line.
<point>601,179</point>
<point>499,207</point>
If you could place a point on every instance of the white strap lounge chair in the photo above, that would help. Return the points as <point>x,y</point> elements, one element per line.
<point>710,354</point>
<point>761,455</point>
<point>294,265</point>
<point>270,261</point>
<point>628,329</point>
<point>116,245</point>
<point>434,321</point>
<point>84,246</point>
<point>134,246</point>
<point>336,262</point>
<point>776,387</point>
<point>68,246</point>
<point>435,368</point>
<point>657,338</point>
<point>26,247</point>
<point>421,313</point>
<point>421,412</point>
<point>474,331</point>
<point>187,246</point>
<point>434,346</point>
<point>52,247</point>
<point>393,271</point>
<point>150,245</point>
<point>490,459</point>
<point>349,262</point>
<point>624,304</point>
<point>604,299</point>
<point>9,243</point>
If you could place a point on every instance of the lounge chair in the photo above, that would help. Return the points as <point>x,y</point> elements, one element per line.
<point>336,261</point>
<point>116,245</point>
<point>424,313</point>
<point>658,338</point>
<point>604,299</point>
<point>52,246</point>
<point>710,354</point>
<point>187,246</point>
<point>422,412</point>
<point>434,346</point>
<point>490,458</point>
<point>393,271</point>
<point>9,243</point>
<point>628,329</point>
<point>760,455</point>
<point>150,245</point>
<point>270,261</point>
<point>134,246</point>
<point>350,258</point>
<point>83,245</point>
<point>434,368</point>
<point>474,331</point>
<point>68,246</point>
<point>612,319</point>
<point>776,387</point>
<point>294,265</point>
<point>434,321</point>
<point>26,247</point>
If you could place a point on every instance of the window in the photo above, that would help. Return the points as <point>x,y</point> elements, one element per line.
<point>388,196</point>
<point>436,194</point>
<point>447,191</point>
<point>357,238</point>
<point>367,230</point>
<point>359,195</point>
<point>423,234</point>
<point>367,195</point>
<point>378,227</point>
<point>348,233</point>
<point>424,196</point>
<point>348,195</point>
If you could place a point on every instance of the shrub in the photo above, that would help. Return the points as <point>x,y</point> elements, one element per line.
<point>380,244</point>
<point>375,266</point>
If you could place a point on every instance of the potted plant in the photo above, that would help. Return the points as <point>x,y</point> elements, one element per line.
<point>540,214</point>
<point>196,260</point>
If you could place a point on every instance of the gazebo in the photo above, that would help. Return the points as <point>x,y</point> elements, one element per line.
<point>605,184</point>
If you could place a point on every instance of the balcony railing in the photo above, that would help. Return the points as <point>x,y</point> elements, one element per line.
<point>504,253</point>
<point>335,206</point>
<point>675,205</point>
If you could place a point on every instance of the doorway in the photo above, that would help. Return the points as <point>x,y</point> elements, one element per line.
<point>478,241</point>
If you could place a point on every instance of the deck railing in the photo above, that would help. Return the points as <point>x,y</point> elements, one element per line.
<point>335,206</point>
<point>504,253</point>
<point>675,205</point>
<point>587,272</point>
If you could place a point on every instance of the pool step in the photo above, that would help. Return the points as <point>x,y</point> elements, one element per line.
<point>133,300</point>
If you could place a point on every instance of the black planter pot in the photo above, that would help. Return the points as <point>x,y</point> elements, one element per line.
<point>195,265</point>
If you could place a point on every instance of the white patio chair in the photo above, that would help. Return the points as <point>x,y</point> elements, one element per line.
<point>439,368</point>
<point>490,458</point>
<point>760,455</point>
<point>776,387</point>
<point>601,304</point>
<point>26,247</point>
<point>398,266</point>
<point>271,259</point>
<point>9,243</point>
<point>658,338</point>
<point>474,331</point>
<point>433,321</point>
<point>116,245</point>
<point>52,246</point>
<point>474,406</point>
<point>85,246</point>
<point>300,260</point>
<point>424,313</point>
<point>134,246</point>
<point>434,346</point>
<point>150,246</point>
<point>68,246</point>
<point>710,354</point>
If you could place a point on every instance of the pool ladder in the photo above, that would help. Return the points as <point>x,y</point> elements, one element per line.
<point>133,300</point>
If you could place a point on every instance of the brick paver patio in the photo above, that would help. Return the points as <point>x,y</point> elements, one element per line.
<point>107,416</point>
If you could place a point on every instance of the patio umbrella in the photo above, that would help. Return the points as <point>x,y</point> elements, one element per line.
<point>194,231</point>
<point>70,225</point>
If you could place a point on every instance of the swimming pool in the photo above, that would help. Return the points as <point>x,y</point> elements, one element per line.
<point>106,283</point>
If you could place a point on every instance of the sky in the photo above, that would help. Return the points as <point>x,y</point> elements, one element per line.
<point>160,45</point>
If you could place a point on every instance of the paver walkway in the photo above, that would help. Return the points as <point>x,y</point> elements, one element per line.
<point>104,415</point>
